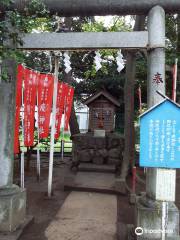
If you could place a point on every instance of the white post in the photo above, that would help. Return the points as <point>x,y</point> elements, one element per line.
<point>38,151</point>
<point>175,80</point>
<point>62,145</point>
<point>51,157</point>
<point>22,153</point>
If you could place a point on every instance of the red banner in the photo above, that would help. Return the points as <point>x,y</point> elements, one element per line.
<point>20,75</point>
<point>45,95</point>
<point>68,106</point>
<point>30,92</point>
<point>61,96</point>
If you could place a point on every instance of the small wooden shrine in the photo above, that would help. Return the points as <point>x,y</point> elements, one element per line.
<point>102,108</point>
<point>101,144</point>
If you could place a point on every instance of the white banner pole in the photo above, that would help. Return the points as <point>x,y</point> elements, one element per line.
<point>51,157</point>
<point>62,150</point>
<point>38,151</point>
<point>175,79</point>
<point>22,153</point>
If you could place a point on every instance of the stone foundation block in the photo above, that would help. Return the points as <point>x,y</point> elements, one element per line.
<point>12,208</point>
<point>149,219</point>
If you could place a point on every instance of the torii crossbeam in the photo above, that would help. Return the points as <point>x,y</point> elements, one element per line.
<point>101,7</point>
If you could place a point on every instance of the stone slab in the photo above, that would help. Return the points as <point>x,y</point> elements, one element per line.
<point>17,234</point>
<point>89,167</point>
<point>93,182</point>
<point>83,216</point>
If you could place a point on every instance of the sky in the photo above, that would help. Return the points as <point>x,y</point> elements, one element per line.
<point>108,20</point>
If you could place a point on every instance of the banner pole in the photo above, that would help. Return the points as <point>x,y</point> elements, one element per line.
<point>38,151</point>
<point>62,150</point>
<point>175,80</point>
<point>51,157</point>
<point>22,153</point>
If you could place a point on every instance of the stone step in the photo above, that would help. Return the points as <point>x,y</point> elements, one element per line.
<point>92,182</point>
<point>90,167</point>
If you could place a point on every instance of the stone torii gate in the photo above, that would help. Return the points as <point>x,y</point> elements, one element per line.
<point>12,199</point>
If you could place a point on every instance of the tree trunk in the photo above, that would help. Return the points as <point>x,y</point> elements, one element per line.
<point>129,105</point>
<point>73,123</point>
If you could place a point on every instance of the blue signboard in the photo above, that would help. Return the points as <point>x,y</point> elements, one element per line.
<point>160,136</point>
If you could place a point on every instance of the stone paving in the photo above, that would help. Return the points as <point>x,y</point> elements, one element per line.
<point>83,216</point>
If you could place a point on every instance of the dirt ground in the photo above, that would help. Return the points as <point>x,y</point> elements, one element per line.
<point>38,205</point>
<point>44,210</point>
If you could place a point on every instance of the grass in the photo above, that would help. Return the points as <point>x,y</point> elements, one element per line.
<point>57,146</point>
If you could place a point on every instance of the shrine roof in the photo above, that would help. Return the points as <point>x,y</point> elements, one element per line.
<point>105,94</point>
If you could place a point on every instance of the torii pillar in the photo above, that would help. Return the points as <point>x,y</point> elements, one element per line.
<point>12,198</point>
<point>148,209</point>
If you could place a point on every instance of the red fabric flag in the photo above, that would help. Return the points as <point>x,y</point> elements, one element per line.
<point>45,96</point>
<point>62,93</point>
<point>20,75</point>
<point>30,93</point>
<point>68,106</point>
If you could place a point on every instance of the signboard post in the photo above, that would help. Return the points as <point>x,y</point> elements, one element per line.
<point>160,148</point>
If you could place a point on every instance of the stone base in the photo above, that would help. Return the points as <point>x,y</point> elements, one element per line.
<point>149,218</point>
<point>18,233</point>
<point>132,198</point>
<point>98,150</point>
<point>12,208</point>
<point>120,185</point>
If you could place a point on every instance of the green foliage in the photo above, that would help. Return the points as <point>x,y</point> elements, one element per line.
<point>36,8</point>
<point>86,79</point>
<point>118,24</point>
<point>172,51</point>
<point>12,23</point>
<point>83,64</point>
<point>6,3</point>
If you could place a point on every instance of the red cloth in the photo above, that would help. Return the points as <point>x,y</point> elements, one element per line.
<point>61,96</point>
<point>68,106</point>
<point>30,93</point>
<point>20,76</point>
<point>45,96</point>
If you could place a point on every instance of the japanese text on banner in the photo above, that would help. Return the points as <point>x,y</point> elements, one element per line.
<point>20,76</point>
<point>30,92</point>
<point>45,95</point>
<point>61,96</point>
<point>68,106</point>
